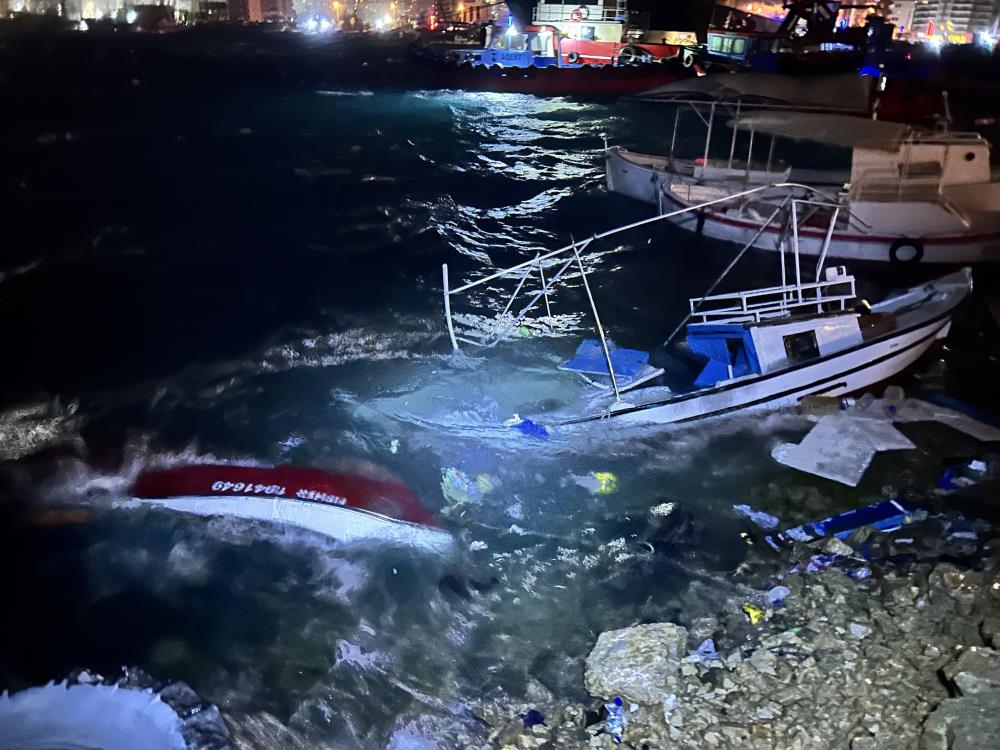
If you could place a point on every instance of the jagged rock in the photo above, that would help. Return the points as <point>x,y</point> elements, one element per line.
<point>977,670</point>
<point>970,723</point>
<point>640,663</point>
<point>834,546</point>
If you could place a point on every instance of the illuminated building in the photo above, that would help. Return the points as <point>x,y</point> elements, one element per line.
<point>472,11</point>
<point>952,20</point>
<point>772,10</point>
<point>901,15</point>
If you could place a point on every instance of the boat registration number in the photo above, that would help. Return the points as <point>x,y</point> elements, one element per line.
<point>250,488</point>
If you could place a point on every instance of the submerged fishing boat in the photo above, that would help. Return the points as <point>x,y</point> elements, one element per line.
<point>805,336</point>
<point>909,196</point>
<point>347,507</point>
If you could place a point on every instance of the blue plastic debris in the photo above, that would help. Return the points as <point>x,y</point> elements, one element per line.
<point>859,573</point>
<point>764,520</point>
<point>947,480</point>
<point>819,563</point>
<point>532,429</point>
<point>615,724</point>
<point>532,718</point>
<point>776,596</point>
<point>887,515</point>
<point>589,360</point>
<point>706,652</point>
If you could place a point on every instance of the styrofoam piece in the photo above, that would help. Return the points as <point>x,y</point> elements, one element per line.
<point>841,447</point>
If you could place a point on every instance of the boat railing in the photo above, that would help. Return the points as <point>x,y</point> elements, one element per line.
<point>755,305</point>
<point>556,266</point>
<point>553,13</point>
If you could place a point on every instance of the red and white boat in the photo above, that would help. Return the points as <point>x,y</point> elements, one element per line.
<point>347,507</point>
<point>605,33</point>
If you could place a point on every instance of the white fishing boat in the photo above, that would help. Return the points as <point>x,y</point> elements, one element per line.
<point>763,347</point>
<point>909,196</point>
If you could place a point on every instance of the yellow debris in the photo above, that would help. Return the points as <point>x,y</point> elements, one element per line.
<point>607,482</point>
<point>754,613</point>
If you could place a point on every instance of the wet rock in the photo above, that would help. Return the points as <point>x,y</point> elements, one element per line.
<point>834,546</point>
<point>640,663</point>
<point>990,631</point>
<point>971,723</point>
<point>976,671</point>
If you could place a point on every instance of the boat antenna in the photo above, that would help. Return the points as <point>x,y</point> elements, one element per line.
<point>725,272</point>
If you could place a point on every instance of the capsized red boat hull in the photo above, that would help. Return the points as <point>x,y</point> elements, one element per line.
<point>347,507</point>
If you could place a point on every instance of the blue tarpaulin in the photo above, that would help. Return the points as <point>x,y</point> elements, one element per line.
<point>886,515</point>
<point>589,360</point>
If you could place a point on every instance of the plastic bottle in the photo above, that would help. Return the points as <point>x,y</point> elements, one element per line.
<point>865,401</point>
<point>819,405</point>
<point>615,724</point>
<point>892,398</point>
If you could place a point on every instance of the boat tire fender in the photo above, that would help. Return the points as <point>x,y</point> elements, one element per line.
<point>630,56</point>
<point>905,242</point>
<point>688,59</point>
<point>573,57</point>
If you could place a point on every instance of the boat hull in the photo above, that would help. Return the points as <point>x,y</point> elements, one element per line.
<point>836,375</point>
<point>347,507</point>
<point>847,245</point>
<point>589,82</point>
<point>342,523</point>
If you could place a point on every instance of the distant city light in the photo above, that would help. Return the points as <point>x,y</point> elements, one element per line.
<point>131,15</point>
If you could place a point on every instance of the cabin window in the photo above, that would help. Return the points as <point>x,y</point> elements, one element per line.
<point>920,169</point>
<point>801,346</point>
<point>970,156</point>
<point>588,32</point>
<point>739,46</point>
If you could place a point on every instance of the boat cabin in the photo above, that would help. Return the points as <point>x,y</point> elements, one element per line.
<point>745,49</point>
<point>756,332</point>
<point>595,22</point>
<point>739,335</point>
<point>507,47</point>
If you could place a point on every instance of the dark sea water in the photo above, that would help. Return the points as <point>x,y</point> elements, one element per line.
<point>243,272</point>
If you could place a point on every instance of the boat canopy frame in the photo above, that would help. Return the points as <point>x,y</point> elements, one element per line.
<point>790,295</point>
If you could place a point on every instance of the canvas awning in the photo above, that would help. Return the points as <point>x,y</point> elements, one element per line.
<point>834,130</point>
<point>846,92</point>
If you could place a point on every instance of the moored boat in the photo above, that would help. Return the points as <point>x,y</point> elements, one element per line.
<point>910,196</point>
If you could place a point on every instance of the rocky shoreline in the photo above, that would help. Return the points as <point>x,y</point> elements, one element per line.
<point>901,654</point>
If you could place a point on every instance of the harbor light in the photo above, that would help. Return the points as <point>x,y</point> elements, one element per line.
<point>131,15</point>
